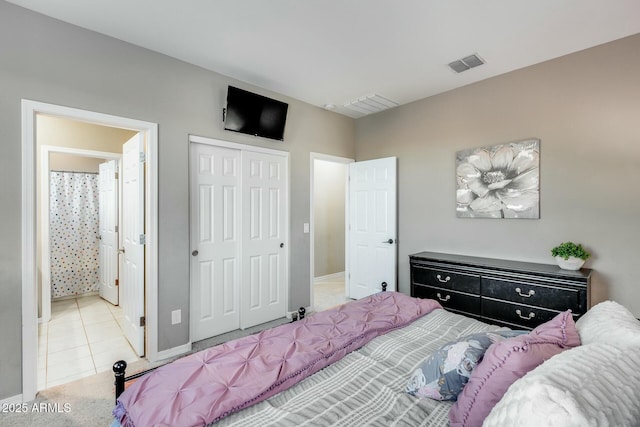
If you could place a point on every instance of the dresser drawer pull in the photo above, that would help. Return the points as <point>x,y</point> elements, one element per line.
<point>445,299</point>
<point>531,315</point>
<point>440,279</point>
<point>527,295</point>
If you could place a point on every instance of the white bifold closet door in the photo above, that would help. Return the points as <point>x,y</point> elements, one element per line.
<point>264,231</point>
<point>239,205</point>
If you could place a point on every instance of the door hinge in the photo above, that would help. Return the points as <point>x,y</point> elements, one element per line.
<point>117,282</point>
<point>142,322</point>
<point>143,157</point>
<point>116,228</point>
<point>115,175</point>
<point>143,239</point>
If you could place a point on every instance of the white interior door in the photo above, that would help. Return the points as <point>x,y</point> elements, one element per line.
<point>108,222</point>
<point>215,242</point>
<point>132,284</point>
<point>265,208</point>
<point>372,226</point>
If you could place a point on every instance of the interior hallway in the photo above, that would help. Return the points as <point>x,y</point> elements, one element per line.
<point>328,293</point>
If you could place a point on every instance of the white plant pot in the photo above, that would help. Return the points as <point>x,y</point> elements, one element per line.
<point>572,263</point>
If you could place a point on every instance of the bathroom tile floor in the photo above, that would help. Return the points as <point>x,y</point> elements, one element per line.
<point>84,337</point>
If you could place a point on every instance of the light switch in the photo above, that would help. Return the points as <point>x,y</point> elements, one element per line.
<point>176,317</point>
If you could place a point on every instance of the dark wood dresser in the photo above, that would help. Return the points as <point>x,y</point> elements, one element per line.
<point>509,293</point>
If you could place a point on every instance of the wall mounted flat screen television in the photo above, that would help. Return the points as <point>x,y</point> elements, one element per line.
<point>254,114</point>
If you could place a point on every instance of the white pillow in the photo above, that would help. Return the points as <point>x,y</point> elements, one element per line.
<point>611,323</point>
<point>590,385</point>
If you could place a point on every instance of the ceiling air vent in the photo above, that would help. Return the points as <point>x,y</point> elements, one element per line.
<point>370,104</point>
<point>467,63</point>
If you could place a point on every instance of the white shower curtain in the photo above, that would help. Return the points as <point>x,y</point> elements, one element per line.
<point>73,224</point>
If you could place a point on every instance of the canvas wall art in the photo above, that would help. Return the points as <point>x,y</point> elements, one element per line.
<point>500,181</point>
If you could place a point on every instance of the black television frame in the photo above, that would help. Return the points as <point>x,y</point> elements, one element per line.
<point>252,114</point>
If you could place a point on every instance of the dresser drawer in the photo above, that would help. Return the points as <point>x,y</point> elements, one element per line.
<point>449,299</point>
<point>446,279</point>
<point>550,297</point>
<point>517,314</point>
<point>521,295</point>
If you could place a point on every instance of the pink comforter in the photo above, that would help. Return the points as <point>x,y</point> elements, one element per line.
<point>206,386</point>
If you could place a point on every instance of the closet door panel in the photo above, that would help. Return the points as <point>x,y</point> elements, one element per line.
<point>239,238</point>
<point>215,243</point>
<point>264,246</point>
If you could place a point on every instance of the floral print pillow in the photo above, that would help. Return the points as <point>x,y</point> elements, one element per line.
<point>443,375</point>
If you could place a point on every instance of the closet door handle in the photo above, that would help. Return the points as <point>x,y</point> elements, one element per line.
<point>121,250</point>
<point>195,253</point>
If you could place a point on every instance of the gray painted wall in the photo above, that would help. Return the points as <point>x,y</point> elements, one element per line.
<point>46,60</point>
<point>585,108</point>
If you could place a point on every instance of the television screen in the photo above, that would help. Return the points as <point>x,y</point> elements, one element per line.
<point>255,114</point>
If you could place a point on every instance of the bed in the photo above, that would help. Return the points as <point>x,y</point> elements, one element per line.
<point>361,370</point>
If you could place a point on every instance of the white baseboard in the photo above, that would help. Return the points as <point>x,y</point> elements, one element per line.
<point>329,277</point>
<point>14,400</point>
<point>173,352</point>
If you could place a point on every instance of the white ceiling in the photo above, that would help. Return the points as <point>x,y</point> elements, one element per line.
<point>336,51</point>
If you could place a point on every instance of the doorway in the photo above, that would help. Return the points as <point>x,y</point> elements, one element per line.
<point>328,213</point>
<point>30,233</point>
<point>80,333</point>
<point>370,213</point>
<point>65,167</point>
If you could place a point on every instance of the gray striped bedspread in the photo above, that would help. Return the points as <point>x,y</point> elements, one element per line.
<point>365,388</point>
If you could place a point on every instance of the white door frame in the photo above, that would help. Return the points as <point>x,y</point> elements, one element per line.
<point>45,189</point>
<point>29,236</point>
<point>335,159</point>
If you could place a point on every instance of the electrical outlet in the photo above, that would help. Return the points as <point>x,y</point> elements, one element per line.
<point>176,317</point>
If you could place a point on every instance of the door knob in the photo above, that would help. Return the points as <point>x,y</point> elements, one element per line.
<point>282,245</point>
<point>194,253</point>
<point>121,250</point>
<point>390,241</point>
<point>384,286</point>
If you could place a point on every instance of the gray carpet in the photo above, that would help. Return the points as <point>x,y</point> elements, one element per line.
<point>89,401</point>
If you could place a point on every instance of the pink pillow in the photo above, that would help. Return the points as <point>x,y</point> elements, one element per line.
<point>505,362</point>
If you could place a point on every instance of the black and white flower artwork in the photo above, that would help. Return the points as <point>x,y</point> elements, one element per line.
<point>501,181</point>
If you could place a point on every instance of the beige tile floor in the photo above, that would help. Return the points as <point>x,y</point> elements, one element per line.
<point>328,293</point>
<point>84,337</point>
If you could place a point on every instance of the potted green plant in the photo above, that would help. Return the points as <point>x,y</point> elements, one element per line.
<point>570,256</point>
